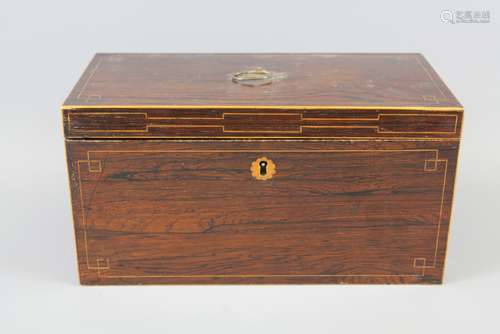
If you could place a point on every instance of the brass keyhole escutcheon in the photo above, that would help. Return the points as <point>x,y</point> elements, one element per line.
<point>263,169</point>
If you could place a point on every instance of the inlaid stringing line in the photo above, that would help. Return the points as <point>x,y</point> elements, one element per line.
<point>223,116</point>
<point>430,77</point>
<point>94,70</point>
<point>82,208</point>
<point>440,210</point>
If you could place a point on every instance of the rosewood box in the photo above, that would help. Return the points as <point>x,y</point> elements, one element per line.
<point>261,168</point>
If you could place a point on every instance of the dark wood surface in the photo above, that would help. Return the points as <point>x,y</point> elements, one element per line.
<point>336,211</point>
<point>200,80</point>
<point>165,158</point>
<point>267,123</point>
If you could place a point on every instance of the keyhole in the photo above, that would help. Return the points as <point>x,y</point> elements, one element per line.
<point>263,167</point>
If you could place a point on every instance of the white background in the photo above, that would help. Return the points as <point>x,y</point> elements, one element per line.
<point>44,47</point>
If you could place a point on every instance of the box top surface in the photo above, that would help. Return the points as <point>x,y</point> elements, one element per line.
<point>276,81</point>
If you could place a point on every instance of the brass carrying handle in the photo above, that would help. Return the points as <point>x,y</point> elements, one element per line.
<point>255,77</point>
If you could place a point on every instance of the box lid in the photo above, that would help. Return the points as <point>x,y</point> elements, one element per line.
<point>298,80</point>
<point>261,95</point>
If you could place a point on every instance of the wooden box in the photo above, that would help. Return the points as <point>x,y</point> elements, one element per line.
<point>261,168</point>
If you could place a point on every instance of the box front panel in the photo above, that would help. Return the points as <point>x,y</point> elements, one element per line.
<point>261,211</point>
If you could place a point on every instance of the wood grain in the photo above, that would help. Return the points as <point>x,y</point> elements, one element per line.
<point>150,212</point>
<point>360,80</point>
<point>242,123</point>
<point>362,152</point>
